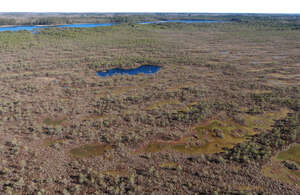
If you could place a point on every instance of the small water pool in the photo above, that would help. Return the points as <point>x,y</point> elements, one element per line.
<point>145,69</point>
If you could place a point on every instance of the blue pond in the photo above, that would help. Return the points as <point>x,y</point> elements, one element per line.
<point>146,69</point>
<point>36,28</point>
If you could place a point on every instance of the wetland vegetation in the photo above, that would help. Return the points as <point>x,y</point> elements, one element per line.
<point>220,116</point>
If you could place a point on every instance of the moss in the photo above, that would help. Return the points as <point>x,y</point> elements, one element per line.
<point>277,171</point>
<point>207,142</point>
<point>292,154</point>
<point>54,122</point>
<point>163,103</point>
<point>90,150</point>
<point>248,188</point>
<point>51,142</point>
<point>212,136</point>
<point>169,165</point>
<point>264,121</point>
<point>115,173</point>
<point>211,142</point>
<point>155,147</point>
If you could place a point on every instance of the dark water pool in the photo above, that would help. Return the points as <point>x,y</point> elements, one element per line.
<point>145,69</point>
<point>36,28</point>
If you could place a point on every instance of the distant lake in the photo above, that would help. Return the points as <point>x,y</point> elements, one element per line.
<point>145,69</point>
<point>36,28</point>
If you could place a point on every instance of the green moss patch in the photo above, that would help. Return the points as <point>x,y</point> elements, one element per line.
<point>116,173</point>
<point>155,147</point>
<point>277,170</point>
<point>169,165</point>
<point>54,121</point>
<point>206,139</point>
<point>264,121</point>
<point>292,154</point>
<point>51,142</point>
<point>90,150</point>
<point>214,135</point>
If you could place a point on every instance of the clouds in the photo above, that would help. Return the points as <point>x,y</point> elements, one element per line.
<point>248,6</point>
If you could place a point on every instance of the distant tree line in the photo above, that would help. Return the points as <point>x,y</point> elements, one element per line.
<point>131,19</point>
<point>7,21</point>
<point>50,21</point>
<point>36,21</point>
<point>275,21</point>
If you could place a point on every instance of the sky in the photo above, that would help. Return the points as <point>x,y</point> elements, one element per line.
<point>207,6</point>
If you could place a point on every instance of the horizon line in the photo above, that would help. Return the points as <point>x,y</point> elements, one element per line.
<point>146,12</point>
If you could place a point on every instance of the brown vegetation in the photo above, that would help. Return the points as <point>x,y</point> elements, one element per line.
<point>65,130</point>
